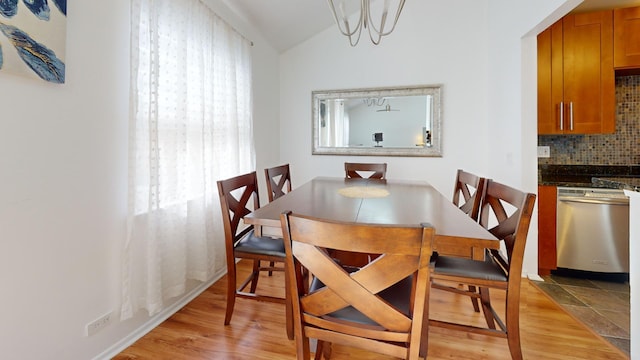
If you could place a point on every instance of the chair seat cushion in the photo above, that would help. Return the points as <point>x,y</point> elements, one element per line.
<point>455,266</point>
<point>397,295</point>
<point>253,244</point>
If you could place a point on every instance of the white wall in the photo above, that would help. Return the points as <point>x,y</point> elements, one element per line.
<point>63,171</point>
<point>63,148</point>
<point>512,97</point>
<point>484,128</point>
<point>63,196</point>
<point>431,45</point>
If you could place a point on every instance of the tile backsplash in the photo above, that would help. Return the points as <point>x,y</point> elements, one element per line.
<point>620,148</point>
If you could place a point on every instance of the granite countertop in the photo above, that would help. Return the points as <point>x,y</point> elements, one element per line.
<point>602,176</point>
<point>566,180</point>
<point>625,183</point>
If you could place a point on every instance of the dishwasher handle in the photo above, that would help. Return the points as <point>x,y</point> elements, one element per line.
<point>590,200</point>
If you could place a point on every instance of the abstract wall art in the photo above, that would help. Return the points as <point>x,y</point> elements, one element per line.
<point>33,38</point>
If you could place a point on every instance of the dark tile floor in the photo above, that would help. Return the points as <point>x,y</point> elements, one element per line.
<point>600,302</point>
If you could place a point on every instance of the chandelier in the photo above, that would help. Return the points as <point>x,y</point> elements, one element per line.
<point>365,20</point>
<point>380,101</point>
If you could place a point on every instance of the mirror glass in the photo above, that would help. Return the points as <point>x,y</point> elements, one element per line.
<point>396,121</point>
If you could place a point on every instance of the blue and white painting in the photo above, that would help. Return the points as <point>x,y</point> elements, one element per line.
<point>33,38</point>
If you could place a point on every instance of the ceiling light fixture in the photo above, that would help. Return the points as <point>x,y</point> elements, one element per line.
<point>365,20</point>
<point>375,101</point>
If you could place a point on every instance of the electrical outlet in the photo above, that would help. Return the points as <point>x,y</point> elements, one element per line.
<point>544,151</point>
<point>98,324</point>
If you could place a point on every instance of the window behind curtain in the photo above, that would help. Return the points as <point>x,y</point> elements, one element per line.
<point>190,125</point>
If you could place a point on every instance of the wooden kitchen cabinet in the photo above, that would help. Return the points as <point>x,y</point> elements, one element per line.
<point>626,38</point>
<point>547,255</point>
<point>576,83</point>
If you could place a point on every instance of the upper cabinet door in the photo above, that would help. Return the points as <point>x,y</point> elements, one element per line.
<point>576,84</point>
<point>589,80</point>
<point>626,41</point>
<point>550,80</point>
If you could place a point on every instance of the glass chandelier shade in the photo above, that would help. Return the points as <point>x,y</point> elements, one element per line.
<point>376,32</point>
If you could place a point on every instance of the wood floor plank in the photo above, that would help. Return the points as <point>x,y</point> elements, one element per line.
<point>197,332</point>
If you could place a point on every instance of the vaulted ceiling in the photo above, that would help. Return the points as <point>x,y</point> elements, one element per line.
<point>286,23</point>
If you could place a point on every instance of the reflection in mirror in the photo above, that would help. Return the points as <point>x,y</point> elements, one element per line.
<point>382,121</point>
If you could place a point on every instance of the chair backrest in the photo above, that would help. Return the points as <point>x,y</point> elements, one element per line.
<point>510,209</point>
<point>349,303</point>
<point>468,192</point>
<point>278,180</point>
<point>356,170</point>
<point>236,194</point>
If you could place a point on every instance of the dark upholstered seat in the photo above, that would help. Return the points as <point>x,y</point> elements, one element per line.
<point>381,307</point>
<point>486,270</point>
<point>397,295</point>
<point>468,191</point>
<point>512,210</point>
<point>235,200</point>
<point>259,245</point>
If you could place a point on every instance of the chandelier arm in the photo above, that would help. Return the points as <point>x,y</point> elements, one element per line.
<point>375,34</point>
<point>353,44</point>
<point>345,31</point>
<point>380,32</point>
<point>380,101</point>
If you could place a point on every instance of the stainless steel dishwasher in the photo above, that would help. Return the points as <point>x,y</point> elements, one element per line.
<point>593,229</point>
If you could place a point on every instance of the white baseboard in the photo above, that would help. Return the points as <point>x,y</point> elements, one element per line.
<point>156,320</point>
<point>535,277</point>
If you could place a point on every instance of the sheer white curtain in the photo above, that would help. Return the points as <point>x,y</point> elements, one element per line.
<point>336,129</point>
<point>340,125</point>
<point>190,125</point>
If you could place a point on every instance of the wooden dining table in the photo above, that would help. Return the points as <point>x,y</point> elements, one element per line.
<point>393,202</point>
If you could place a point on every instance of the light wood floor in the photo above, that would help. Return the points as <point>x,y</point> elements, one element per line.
<point>257,331</point>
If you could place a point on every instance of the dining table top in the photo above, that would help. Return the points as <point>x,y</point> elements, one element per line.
<point>393,202</point>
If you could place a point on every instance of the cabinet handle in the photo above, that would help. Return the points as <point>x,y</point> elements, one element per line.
<point>571,115</point>
<point>561,115</point>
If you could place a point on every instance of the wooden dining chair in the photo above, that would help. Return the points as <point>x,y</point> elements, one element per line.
<point>468,191</point>
<point>236,195</point>
<point>278,181</point>
<point>360,170</point>
<point>510,209</point>
<point>381,307</point>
